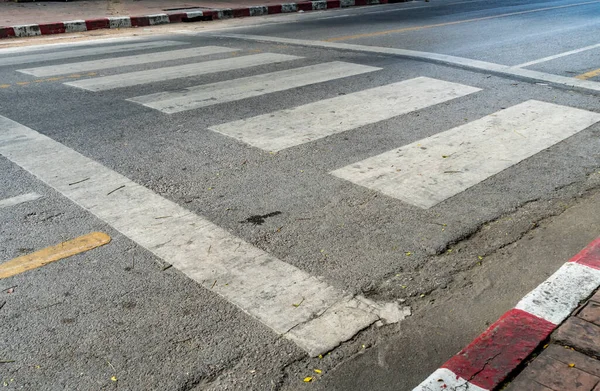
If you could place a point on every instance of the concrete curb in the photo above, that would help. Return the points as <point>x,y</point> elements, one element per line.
<point>30,30</point>
<point>498,351</point>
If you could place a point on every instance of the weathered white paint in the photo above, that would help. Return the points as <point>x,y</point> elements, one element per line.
<point>319,5</point>
<point>8,202</point>
<point>287,128</point>
<point>555,299</point>
<point>438,167</point>
<point>289,7</point>
<point>258,10</point>
<point>27,30</point>
<point>232,90</point>
<point>445,380</point>
<point>194,14</point>
<point>62,45</point>
<point>179,71</point>
<point>116,22</point>
<point>258,283</point>
<point>117,62</point>
<point>158,19</point>
<point>75,26</point>
<point>41,57</point>
<point>462,62</point>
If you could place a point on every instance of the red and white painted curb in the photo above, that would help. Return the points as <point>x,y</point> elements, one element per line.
<point>30,30</point>
<point>491,357</point>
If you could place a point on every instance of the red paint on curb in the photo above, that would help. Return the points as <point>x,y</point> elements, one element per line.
<point>240,12</point>
<point>97,24</point>
<point>589,256</point>
<point>274,9</point>
<point>177,18</point>
<point>140,21</point>
<point>52,28</point>
<point>304,6</point>
<point>492,356</point>
<point>6,32</point>
<point>333,4</point>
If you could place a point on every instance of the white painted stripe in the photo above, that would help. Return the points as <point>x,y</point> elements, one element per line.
<point>62,45</point>
<point>555,299</point>
<point>119,22</point>
<point>194,14</point>
<point>117,62</point>
<point>75,26</point>
<point>564,54</point>
<point>258,283</point>
<point>438,167</point>
<point>40,57</point>
<point>179,71</point>
<point>8,202</point>
<point>232,90</point>
<point>287,128</point>
<point>445,380</point>
<point>462,62</point>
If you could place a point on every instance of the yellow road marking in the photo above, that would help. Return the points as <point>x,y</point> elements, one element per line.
<point>4,85</point>
<point>415,28</point>
<point>22,83</point>
<point>589,75</point>
<point>51,254</point>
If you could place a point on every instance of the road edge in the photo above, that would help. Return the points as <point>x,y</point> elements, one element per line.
<point>74,26</point>
<point>496,353</point>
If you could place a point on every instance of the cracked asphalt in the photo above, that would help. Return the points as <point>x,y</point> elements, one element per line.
<point>120,317</point>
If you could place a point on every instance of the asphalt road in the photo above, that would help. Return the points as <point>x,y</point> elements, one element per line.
<point>269,189</point>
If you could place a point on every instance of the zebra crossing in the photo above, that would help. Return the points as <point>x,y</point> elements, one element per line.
<point>415,174</point>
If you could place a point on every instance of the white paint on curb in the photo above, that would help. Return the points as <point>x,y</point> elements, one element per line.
<point>194,14</point>
<point>555,299</point>
<point>157,19</point>
<point>319,5</point>
<point>258,10</point>
<point>13,201</point>
<point>445,380</point>
<point>291,302</point>
<point>289,7</point>
<point>27,30</point>
<point>75,26</point>
<point>118,22</point>
<point>347,3</point>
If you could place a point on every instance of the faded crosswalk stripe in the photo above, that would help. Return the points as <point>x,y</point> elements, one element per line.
<point>303,308</point>
<point>40,57</point>
<point>8,202</point>
<point>232,90</point>
<point>179,71</point>
<point>438,167</point>
<point>287,128</point>
<point>107,63</point>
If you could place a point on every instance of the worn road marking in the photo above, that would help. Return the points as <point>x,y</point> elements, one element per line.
<point>236,89</point>
<point>51,254</point>
<point>8,202</point>
<point>258,283</point>
<point>438,58</point>
<point>107,63</point>
<point>34,46</point>
<point>438,167</point>
<point>50,79</point>
<point>559,55</point>
<point>180,71</point>
<point>589,75</point>
<point>40,57</point>
<point>416,28</point>
<point>287,128</point>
